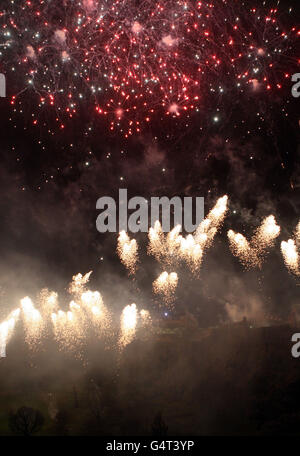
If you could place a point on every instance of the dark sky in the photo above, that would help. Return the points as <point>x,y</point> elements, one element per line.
<point>50,184</point>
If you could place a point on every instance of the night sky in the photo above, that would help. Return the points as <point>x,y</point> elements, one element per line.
<point>241,143</point>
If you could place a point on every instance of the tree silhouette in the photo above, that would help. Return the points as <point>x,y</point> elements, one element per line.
<point>159,427</point>
<point>26,421</point>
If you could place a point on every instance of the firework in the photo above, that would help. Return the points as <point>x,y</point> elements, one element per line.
<point>156,246</point>
<point>132,60</point>
<point>241,248</point>
<point>146,318</point>
<point>173,248</point>
<point>6,330</point>
<point>87,312</point>
<point>71,328</point>
<point>290,252</point>
<point>165,285</point>
<point>266,234</point>
<point>297,232</point>
<point>128,324</point>
<point>128,252</point>
<point>208,228</point>
<point>68,330</point>
<point>98,313</point>
<point>290,256</point>
<point>252,253</point>
<point>79,281</point>
<point>191,248</point>
<point>48,303</point>
<point>33,322</point>
<point>191,252</point>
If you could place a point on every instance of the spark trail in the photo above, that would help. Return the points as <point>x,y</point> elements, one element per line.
<point>130,62</point>
<point>289,250</point>
<point>252,253</point>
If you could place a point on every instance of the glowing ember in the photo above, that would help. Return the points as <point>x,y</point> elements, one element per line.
<point>128,252</point>
<point>130,70</point>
